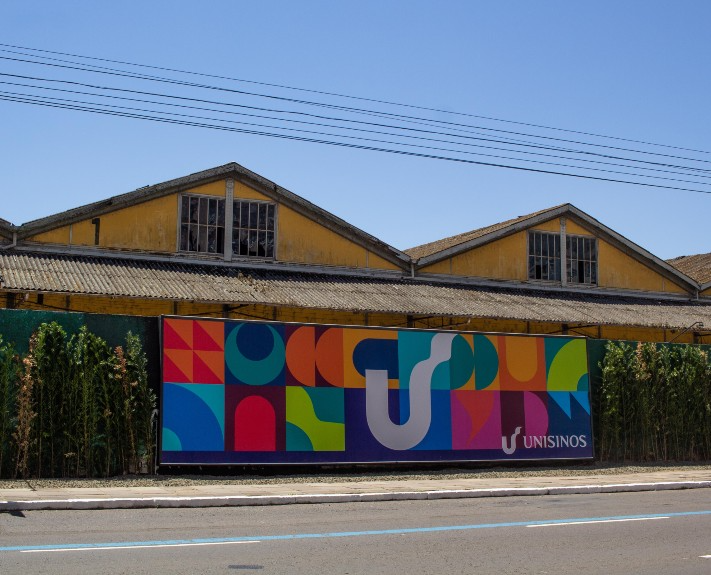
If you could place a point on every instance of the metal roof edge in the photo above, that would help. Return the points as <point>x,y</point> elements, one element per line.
<point>642,255</point>
<point>355,273</point>
<point>517,226</point>
<point>207,261</point>
<point>446,279</point>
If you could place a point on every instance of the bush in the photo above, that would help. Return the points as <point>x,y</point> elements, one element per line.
<point>78,409</point>
<point>655,403</point>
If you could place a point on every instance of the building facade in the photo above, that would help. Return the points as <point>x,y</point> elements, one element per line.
<point>227,242</point>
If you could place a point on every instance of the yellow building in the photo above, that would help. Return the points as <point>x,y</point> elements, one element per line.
<point>227,242</point>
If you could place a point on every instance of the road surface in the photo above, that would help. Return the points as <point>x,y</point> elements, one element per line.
<point>653,532</point>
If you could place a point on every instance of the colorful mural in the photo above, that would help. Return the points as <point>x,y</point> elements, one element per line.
<point>262,392</point>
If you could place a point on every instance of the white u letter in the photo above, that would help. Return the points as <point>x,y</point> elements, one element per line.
<point>410,433</point>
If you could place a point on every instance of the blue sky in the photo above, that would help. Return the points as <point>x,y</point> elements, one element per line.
<point>635,69</point>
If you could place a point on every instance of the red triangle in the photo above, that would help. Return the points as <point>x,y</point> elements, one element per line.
<point>208,335</point>
<point>176,334</point>
<point>202,373</point>
<point>171,372</point>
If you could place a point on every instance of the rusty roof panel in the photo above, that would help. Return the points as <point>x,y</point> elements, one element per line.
<point>92,275</point>
<point>697,267</point>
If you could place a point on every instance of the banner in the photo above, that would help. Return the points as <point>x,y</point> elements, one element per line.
<point>244,392</point>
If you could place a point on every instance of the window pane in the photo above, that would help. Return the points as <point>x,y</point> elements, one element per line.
<point>184,209</point>
<point>253,216</point>
<point>184,237</point>
<point>212,212</point>
<point>270,245</point>
<point>193,238</point>
<point>194,203</point>
<point>220,213</point>
<point>202,238</point>
<point>244,217</point>
<point>211,240</point>
<point>262,247</point>
<point>220,240</point>
<point>270,217</point>
<point>252,241</point>
<point>202,215</point>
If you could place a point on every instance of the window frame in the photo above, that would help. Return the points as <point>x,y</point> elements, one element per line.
<point>592,261</point>
<point>531,241</point>
<point>590,275</point>
<point>250,229</point>
<point>227,228</point>
<point>219,246</point>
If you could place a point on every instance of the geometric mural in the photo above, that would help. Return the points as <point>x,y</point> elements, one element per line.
<point>267,392</point>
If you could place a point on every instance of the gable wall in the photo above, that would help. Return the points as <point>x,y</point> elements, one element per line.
<point>507,259</point>
<point>152,226</point>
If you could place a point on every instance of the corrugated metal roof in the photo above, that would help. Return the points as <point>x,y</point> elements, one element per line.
<point>697,266</point>
<point>106,276</point>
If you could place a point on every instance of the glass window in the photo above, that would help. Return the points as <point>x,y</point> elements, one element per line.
<point>253,228</point>
<point>202,227</point>
<point>582,260</point>
<point>544,258</point>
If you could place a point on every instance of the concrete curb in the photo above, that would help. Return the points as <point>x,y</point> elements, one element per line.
<point>259,500</point>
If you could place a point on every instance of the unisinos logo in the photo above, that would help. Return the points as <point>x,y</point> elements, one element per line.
<point>509,445</point>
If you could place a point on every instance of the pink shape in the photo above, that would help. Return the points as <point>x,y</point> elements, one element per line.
<point>489,436</point>
<point>476,419</point>
<point>461,424</point>
<point>536,414</point>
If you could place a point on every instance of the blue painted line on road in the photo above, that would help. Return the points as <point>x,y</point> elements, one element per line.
<point>293,536</point>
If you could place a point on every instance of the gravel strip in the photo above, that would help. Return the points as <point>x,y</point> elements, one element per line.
<point>319,476</point>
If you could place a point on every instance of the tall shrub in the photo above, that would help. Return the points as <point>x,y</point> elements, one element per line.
<point>655,403</point>
<point>25,413</point>
<point>78,408</point>
<point>9,378</point>
<point>51,371</point>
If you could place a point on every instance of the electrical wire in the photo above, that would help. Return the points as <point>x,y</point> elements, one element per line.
<point>349,128</point>
<point>346,120</point>
<point>82,106</point>
<point>370,148</point>
<point>339,95</point>
<point>122,73</point>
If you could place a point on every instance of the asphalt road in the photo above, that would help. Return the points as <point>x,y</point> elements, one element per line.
<point>653,532</point>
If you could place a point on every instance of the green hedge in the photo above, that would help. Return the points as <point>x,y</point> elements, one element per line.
<point>74,407</point>
<point>654,403</point>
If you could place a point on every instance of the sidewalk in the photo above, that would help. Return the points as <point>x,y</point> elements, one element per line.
<point>225,494</point>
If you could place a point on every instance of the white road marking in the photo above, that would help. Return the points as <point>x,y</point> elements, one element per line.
<point>112,547</point>
<point>705,556</point>
<point>596,521</point>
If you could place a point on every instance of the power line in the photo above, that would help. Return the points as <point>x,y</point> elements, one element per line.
<point>81,105</point>
<point>348,128</point>
<point>347,120</point>
<point>123,73</point>
<point>339,95</point>
<point>369,148</point>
